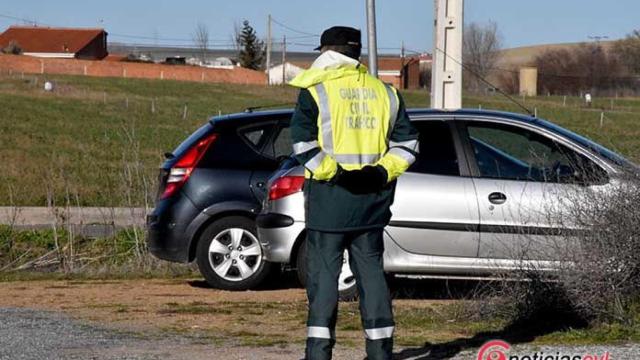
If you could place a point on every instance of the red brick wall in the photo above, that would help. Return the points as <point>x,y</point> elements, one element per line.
<point>28,64</point>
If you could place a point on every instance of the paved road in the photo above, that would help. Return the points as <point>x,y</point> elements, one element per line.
<point>43,335</point>
<point>85,221</point>
<point>38,216</point>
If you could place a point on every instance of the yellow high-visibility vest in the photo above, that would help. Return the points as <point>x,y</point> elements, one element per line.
<point>357,113</point>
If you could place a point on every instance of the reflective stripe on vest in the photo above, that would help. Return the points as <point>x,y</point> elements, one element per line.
<point>325,119</point>
<point>327,136</point>
<point>304,146</point>
<point>393,100</point>
<point>411,145</point>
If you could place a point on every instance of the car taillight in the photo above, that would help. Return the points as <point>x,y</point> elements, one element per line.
<point>284,186</point>
<point>180,172</point>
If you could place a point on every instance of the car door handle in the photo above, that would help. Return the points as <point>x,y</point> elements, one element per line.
<point>497,198</point>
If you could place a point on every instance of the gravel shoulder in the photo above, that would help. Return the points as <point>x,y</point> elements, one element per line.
<point>178,319</point>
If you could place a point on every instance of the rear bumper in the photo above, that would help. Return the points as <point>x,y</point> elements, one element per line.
<point>278,234</point>
<point>167,229</point>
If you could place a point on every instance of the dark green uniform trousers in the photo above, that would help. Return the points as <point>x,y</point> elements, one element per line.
<point>324,260</point>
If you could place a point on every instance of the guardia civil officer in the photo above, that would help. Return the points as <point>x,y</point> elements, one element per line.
<point>352,134</point>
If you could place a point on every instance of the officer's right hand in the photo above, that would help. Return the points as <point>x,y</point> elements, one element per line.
<point>369,179</point>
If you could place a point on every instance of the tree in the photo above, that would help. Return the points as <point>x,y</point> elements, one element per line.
<point>13,48</point>
<point>628,49</point>
<point>587,67</point>
<point>201,39</point>
<point>251,49</point>
<point>480,51</point>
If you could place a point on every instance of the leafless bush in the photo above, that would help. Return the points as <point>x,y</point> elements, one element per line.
<point>509,81</point>
<point>480,51</point>
<point>12,48</point>
<point>201,39</point>
<point>628,49</point>
<point>590,268</point>
<point>586,68</point>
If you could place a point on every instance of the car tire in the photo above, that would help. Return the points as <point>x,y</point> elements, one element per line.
<point>348,291</point>
<point>229,255</point>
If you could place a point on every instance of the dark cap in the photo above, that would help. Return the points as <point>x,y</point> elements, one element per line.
<point>340,35</point>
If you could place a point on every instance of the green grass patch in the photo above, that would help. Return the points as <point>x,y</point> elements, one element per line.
<point>97,142</point>
<point>46,254</point>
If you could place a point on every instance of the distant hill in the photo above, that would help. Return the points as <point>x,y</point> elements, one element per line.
<point>525,55</point>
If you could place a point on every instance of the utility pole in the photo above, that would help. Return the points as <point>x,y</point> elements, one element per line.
<point>403,75</point>
<point>269,50</point>
<point>371,37</point>
<point>284,60</point>
<point>446,78</point>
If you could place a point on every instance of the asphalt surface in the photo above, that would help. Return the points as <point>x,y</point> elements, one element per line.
<point>40,216</point>
<point>39,335</point>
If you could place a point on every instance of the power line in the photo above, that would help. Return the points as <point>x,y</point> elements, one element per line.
<point>481,78</point>
<point>293,29</point>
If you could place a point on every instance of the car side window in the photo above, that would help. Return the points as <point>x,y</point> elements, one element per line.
<point>513,153</point>
<point>281,144</point>
<point>256,135</point>
<point>437,154</point>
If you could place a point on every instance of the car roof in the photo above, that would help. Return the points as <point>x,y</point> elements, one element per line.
<point>414,112</point>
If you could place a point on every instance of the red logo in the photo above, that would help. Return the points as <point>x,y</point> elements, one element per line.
<point>493,350</point>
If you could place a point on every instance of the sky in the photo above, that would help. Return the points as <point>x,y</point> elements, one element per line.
<point>172,22</point>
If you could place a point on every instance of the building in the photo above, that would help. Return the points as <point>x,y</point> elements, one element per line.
<point>402,73</point>
<point>69,43</point>
<point>290,71</point>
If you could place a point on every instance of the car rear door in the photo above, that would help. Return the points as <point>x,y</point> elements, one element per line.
<point>526,180</point>
<point>435,211</point>
<point>276,147</point>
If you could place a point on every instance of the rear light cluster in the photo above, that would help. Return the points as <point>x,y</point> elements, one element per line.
<point>285,186</point>
<point>180,172</point>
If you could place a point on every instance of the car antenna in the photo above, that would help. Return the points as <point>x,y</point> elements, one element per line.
<point>474,73</point>
<point>269,106</point>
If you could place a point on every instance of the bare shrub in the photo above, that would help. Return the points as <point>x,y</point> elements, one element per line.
<point>590,270</point>
<point>586,68</point>
<point>480,51</point>
<point>509,81</point>
<point>12,48</point>
<point>628,49</point>
<point>201,39</point>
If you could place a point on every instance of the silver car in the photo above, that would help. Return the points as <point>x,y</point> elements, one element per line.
<point>479,193</point>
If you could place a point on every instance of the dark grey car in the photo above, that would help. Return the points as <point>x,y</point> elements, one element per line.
<point>210,192</point>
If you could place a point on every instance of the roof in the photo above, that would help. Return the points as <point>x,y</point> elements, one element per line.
<point>412,112</point>
<point>392,63</point>
<point>49,40</point>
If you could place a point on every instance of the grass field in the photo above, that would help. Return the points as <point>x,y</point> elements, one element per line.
<point>99,141</point>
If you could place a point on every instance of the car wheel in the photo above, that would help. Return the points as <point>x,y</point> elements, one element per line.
<point>347,289</point>
<point>229,255</point>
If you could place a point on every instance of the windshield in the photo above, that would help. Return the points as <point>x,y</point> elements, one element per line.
<point>599,149</point>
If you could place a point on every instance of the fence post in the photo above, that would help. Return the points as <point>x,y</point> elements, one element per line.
<point>184,112</point>
<point>564,101</point>
<point>601,119</point>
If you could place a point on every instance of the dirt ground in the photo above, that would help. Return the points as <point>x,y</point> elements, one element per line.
<point>273,319</point>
